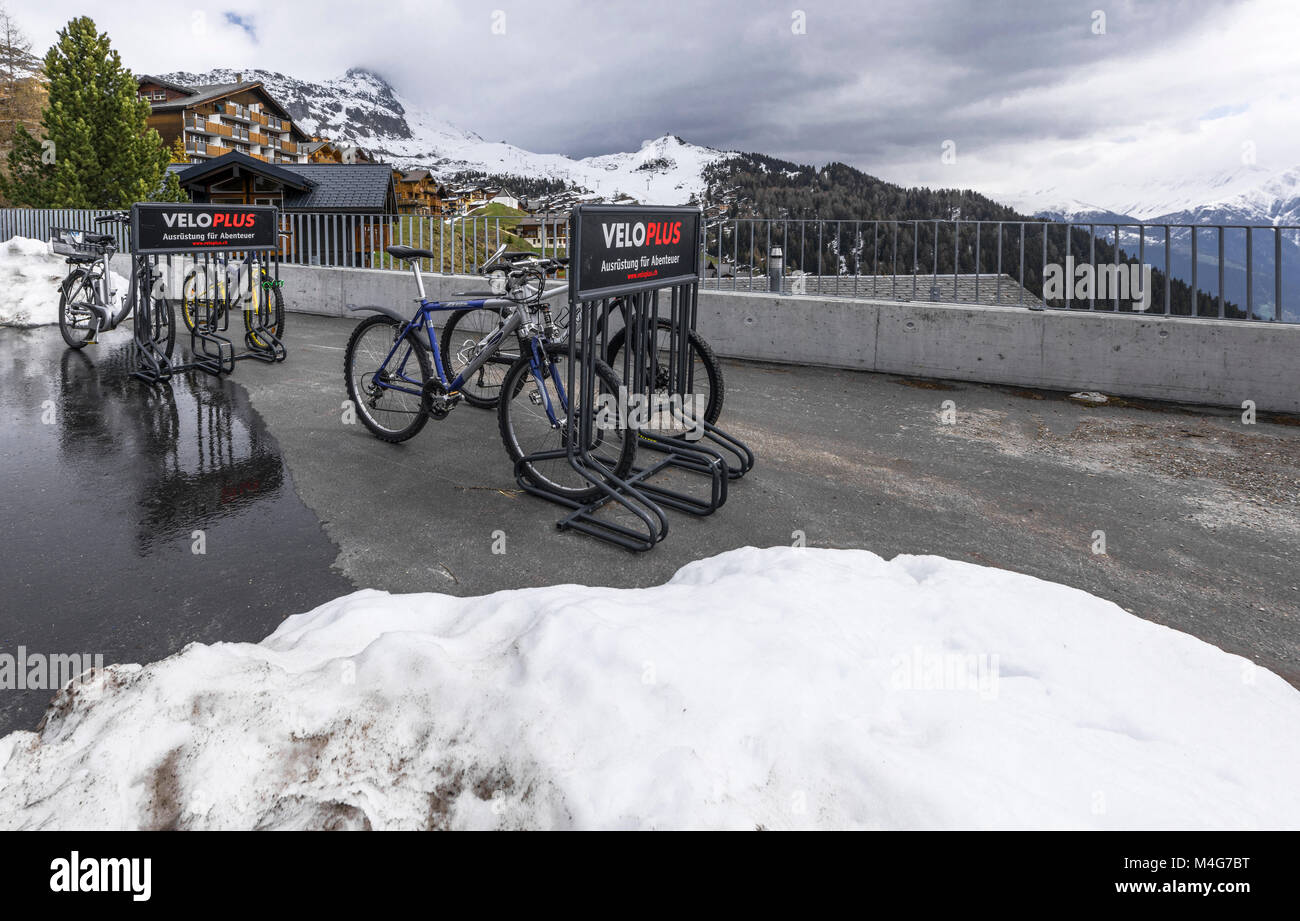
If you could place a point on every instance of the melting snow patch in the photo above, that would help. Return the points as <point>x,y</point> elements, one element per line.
<point>782,687</point>
<point>29,283</point>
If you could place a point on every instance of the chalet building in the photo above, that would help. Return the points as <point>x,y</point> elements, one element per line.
<point>216,120</point>
<point>549,232</point>
<point>340,212</point>
<point>418,192</point>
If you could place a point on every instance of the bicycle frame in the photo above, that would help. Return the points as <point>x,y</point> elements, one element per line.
<point>422,322</point>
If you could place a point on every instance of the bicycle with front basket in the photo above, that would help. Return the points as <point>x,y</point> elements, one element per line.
<point>398,380</point>
<point>87,299</point>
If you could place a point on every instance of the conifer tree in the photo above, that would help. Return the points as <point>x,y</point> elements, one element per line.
<point>98,151</point>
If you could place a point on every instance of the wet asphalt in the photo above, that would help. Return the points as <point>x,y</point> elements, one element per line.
<point>107,481</point>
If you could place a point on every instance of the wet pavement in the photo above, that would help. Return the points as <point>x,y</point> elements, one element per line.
<point>107,481</point>
<point>107,486</point>
<point>1201,513</point>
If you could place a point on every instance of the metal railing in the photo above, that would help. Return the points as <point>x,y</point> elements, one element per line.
<point>459,244</point>
<point>1246,272</point>
<point>1201,271</point>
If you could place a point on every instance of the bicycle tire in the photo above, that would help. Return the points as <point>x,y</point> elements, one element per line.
<point>189,298</point>
<point>81,278</point>
<point>619,452</point>
<point>700,349</point>
<point>276,328</point>
<point>418,416</point>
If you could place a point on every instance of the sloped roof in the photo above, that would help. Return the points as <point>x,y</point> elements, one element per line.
<point>198,95</point>
<point>278,172</point>
<point>355,187</point>
<point>342,187</point>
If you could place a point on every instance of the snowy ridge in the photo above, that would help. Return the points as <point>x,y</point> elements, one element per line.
<point>363,109</point>
<point>1247,195</point>
<point>786,687</point>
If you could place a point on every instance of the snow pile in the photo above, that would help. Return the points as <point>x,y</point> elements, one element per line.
<point>29,283</point>
<point>777,688</point>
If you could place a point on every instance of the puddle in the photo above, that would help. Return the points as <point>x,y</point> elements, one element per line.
<point>140,519</point>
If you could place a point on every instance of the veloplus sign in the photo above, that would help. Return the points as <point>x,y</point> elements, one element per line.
<point>158,227</point>
<point>618,249</point>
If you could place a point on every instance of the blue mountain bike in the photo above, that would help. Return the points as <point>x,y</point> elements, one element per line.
<point>397,381</point>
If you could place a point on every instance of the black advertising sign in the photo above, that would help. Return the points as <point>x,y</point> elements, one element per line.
<point>159,227</point>
<point>624,248</point>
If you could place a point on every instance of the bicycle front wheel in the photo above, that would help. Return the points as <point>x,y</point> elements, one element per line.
<point>528,429</point>
<point>387,392</point>
<point>160,322</point>
<point>77,323</point>
<point>268,312</point>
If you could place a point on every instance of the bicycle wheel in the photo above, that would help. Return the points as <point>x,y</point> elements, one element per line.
<point>161,322</point>
<point>706,374</point>
<point>465,336</point>
<point>76,324</point>
<point>268,313</point>
<point>391,415</point>
<point>162,313</point>
<point>527,429</point>
<point>208,301</point>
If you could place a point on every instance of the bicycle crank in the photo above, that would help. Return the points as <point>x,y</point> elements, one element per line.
<point>438,402</point>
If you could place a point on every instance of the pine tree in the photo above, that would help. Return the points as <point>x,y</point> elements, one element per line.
<point>95,125</point>
<point>171,189</point>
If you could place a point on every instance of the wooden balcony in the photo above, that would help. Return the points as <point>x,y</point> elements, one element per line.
<point>224,131</point>
<point>216,150</point>
<point>289,147</point>
<point>260,139</point>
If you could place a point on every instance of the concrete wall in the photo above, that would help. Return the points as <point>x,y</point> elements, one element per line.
<point>1217,362</point>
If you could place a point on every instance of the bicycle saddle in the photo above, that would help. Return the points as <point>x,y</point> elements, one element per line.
<point>409,252</point>
<point>97,237</point>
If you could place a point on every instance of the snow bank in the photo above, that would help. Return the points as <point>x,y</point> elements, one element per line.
<point>782,688</point>
<point>29,283</point>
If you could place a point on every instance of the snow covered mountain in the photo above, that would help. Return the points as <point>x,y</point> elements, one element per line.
<point>363,109</point>
<point>1247,195</point>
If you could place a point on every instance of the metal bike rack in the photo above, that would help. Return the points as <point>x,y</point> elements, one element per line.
<point>649,256</point>
<point>216,237</point>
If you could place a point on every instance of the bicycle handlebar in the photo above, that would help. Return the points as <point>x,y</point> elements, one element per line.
<point>119,217</point>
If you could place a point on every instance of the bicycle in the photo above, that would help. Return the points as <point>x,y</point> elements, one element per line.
<point>263,311</point>
<point>86,296</point>
<point>397,381</point>
<point>467,330</point>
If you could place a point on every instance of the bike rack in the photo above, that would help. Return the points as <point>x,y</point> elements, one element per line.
<point>613,256</point>
<point>222,236</point>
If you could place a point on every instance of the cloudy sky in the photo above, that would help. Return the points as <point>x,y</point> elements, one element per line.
<point>1092,100</point>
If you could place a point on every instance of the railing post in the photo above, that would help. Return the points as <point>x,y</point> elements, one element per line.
<point>1277,274</point>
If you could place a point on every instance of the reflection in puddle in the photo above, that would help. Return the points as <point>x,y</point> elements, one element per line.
<point>108,484</point>
<point>193,450</point>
